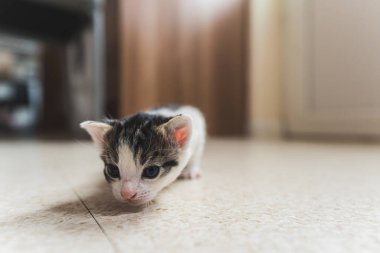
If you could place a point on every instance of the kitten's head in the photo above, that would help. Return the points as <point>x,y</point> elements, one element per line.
<point>142,154</point>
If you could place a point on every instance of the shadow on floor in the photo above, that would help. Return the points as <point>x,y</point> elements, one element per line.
<point>73,216</point>
<point>99,202</point>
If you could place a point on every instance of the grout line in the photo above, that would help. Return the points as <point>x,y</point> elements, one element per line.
<point>97,222</point>
<point>113,245</point>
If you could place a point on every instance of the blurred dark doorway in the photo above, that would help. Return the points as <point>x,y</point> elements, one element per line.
<point>69,58</point>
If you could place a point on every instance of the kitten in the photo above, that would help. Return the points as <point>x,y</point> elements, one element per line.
<point>147,151</point>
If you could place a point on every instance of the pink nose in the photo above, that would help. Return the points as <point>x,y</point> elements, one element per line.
<point>128,194</point>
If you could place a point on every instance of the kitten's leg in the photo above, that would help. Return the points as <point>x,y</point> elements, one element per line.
<point>191,171</point>
<point>193,168</point>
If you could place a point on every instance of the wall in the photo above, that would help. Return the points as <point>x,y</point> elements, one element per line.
<point>266,67</point>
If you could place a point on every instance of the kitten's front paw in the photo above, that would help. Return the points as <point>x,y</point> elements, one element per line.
<point>190,174</point>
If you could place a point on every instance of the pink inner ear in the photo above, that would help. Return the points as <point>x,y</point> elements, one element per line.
<point>98,137</point>
<point>181,135</point>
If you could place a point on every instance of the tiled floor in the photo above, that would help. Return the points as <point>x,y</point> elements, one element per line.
<point>252,197</point>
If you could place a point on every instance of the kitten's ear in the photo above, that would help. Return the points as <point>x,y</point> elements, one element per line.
<point>179,128</point>
<point>96,130</point>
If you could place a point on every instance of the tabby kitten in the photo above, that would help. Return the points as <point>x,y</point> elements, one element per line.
<point>147,151</point>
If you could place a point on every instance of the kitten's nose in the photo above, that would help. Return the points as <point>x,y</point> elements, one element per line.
<point>129,189</point>
<point>128,195</point>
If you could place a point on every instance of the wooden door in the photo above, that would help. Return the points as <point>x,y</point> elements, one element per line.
<point>186,52</point>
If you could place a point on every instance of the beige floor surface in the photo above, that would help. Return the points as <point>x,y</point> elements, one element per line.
<point>254,196</point>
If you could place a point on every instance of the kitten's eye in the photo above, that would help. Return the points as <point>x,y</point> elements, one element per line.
<point>113,171</point>
<point>151,172</point>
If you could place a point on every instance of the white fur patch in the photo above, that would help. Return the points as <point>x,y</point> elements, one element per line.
<point>127,165</point>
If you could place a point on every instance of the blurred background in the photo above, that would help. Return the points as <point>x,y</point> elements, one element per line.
<point>261,68</point>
